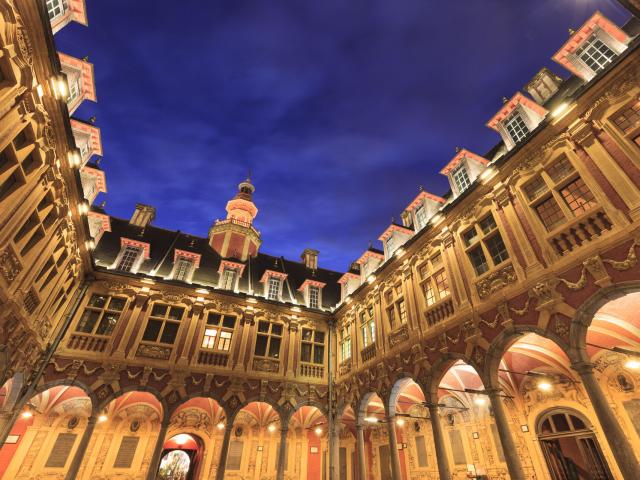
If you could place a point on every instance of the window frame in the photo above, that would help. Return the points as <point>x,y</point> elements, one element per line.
<point>314,345</point>
<point>310,296</point>
<point>459,181</point>
<point>479,244</point>
<point>135,262</point>
<point>228,279</point>
<point>52,5</point>
<point>581,52</point>
<point>188,274</point>
<point>428,274</point>
<point>102,312</point>
<point>270,336</point>
<point>345,344</point>
<point>165,320</point>
<point>217,337</point>
<point>271,282</point>
<point>367,327</point>
<point>519,134</point>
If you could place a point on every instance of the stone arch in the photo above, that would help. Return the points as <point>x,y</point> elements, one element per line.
<point>362,407</point>
<point>440,368</point>
<point>282,416</point>
<point>68,383</point>
<point>212,396</point>
<point>139,388</point>
<point>501,344</point>
<point>309,403</point>
<point>397,388</point>
<point>585,313</point>
<point>561,409</point>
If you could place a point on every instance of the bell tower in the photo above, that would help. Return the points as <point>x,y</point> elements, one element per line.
<point>235,237</point>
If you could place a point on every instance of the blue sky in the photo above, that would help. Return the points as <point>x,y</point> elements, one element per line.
<point>340,108</point>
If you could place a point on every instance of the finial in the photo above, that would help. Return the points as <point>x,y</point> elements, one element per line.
<point>393,219</point>
<point>103,203</point>
<point>85,58</point>
<point>421,188</point>
<point>571,31</point>
<point>92,119</point>
<point>504,100</point>
<point>249,175</point>
<point>370,244</point>
<point>458,149</point>
<point>98,160</point>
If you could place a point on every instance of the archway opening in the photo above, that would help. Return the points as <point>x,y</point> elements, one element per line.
<point>376,439</point>
<point>204,420</point>
<point>254,443</point>
<point>51,424</point>
<point>347,453</point>
<point>307,454</point>
<point>181,457</point>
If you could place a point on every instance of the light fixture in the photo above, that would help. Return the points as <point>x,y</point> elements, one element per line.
<point>148,281</point>
<point>488,174</point>
<point>40,90</point>
<point>220,425</point>
<point>90,244</point>
<point>145,289</point>
<point>295,309</point>
<point>200,299</point>
<point>545,385</point>
<point>26,414</point>
<point>60,87</point>
<point>632,364</point>
<point>436,218</point>
<point>400,422</point>
<point>347,300</point>
<point>371,278</point>
<point>480,400</point>
<point>399,252</point>
<point>318,431</point>
<point>559,110</point>
<point>271,427</point>
<point>102,418</point>
<point>74,158</point>
<point>251,300</point>
<point>181,438</point>
<point>202,290</point>
<point>83,208</point>
<point>371,419</point>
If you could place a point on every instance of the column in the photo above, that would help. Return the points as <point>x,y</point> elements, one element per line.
<point>222,463</point>
<point>82,449</point>
<point>396,473</point>
<point>508,445</point>
<point>618,441</point>
<point>154,464</point>
<point>360,447</point>
<point>334,451</point>
<point>438,441</point>
<point>282,453</point>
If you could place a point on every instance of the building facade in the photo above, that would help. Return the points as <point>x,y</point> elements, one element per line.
<point>495,334</point>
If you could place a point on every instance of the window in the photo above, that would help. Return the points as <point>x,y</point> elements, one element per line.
<point>402,312</point>
<point>421,217</point>
<point>484,240</point>
<point>183,269</point>
<point>345,345</point>
<point>389,244</point>
<point>129,258</point>
<point>595,53</point>
<point>312,346</point>
<point>228,281</point>
<point>84,149</point>
<point>101,314</point>
<point>163,324</point>
<point>55,8</point>
<point>314,297</point>
<point>558,194</point>
<point>268,340</point>
<point>218,332</point>
<point>516,128</point>
<point>367,327</point>
<point>461,178</point>
<point>435,287</point>
<point>273,292</point>
<point>629,118</point>
<point>74,90</point>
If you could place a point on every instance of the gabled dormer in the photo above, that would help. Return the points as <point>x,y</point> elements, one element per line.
<point>80,80</point>
<point>543,85</point>
<point>87,138</point>
<point>421,209</point>
<point>62,12</point>
<point>370,260</point>
<point>517,119</point>
<point>230,273</point>
<point>393,238</point>
<point>312,292</point>
<point>185,264</point>
<point>93,182</point>
<point>99,222</point>
<point>592,47</point>
<point>463,169</point>
<point>272,281</point>
<point>350,281</point>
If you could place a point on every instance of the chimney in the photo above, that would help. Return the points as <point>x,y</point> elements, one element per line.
<point>543,85</point>
<point>143,215</point>
<point>310,258</point>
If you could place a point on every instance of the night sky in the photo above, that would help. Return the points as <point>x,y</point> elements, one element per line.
<point>340,108</point>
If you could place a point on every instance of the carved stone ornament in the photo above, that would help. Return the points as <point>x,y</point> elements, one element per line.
<point>154,351</point>
<point>10,266</point>
<point>266,365</point>
<point>496,281</point>
<point>399,335</point>
<point>545,292</point>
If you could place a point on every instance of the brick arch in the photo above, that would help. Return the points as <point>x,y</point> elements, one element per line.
<point>503,342</point>
<point>585,313</point>
<point>441,367</point>
<point>139,388</point>
<point>397,389</point>
<point>363,402</point>
<point>201,394</point>
<point>276,408</point>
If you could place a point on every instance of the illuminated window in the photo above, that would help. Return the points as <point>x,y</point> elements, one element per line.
<point>550,213</point>
<point>312,350</point>
<point>268,340</point>
<point>595,53</point>
<point>183,269</point>
<point>345,346</point>
<point>163,324</point>
<point>516,128</point>
<point>129,258</point>
<point>461,178</point>
<point>442,283</point>
<point>101,314</point>
<point>402,312</point>
<point>421,217</point>
<point>484,240</point>
<point>273,292</point>
<point>578,197</point>
<point>228,281</point>
<point>367,327</point>
<point>55,8</point>
<point>314,297</point>
<point>218,332</point>
<point>629,118</point>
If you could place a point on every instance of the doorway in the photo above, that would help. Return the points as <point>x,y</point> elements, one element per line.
<point>180,458</point>
<point>570,447</point>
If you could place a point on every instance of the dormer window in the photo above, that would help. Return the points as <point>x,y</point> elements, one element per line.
<point>55,8</point>
<point>595,53</point>
<point>390,245</point>
<point>461,178</point>
<point>421,217</point>
<point>314,297</point>
<point>228,279</point>
<point>312,291</point>
<point>516,128</point>
<point>184,265</point>
<point>74,90</point>
<point>273,292</point>
<point>132,254</point>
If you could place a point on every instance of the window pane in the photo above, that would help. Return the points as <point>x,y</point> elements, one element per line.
<point>319,337</point>
<point>578,197</point>
<point>497,250</point>
<point>535,188</point>
<point>307,334</point>
<point>595,53</point>
<point>429,293</point>
<point>488,224</point>
<point>318,354</point>
<point>152,331</point>
<point>478,260</point>
<point>442,283</point>
<point>159,310</point>
<point>516,127</point>
<point>107,324</point>
<point>88,321</point>
<point>470,237</point>
<point>225,341</point>
<point>550,213</point>
<point>176,313</point>
<point>263,327</point>
<point>628,118</point>
<point>274,347</point>
<point>209,339</point>
<point>117,304</point>
<point>261,345</point>
<point>169,333</point>
<point>560,169</point>
<point>276,329</point>
<point>461,178</point>
<point>213,319</point>
<point>97,301</point>
<point>229,321</point>
<point>305,353</point>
